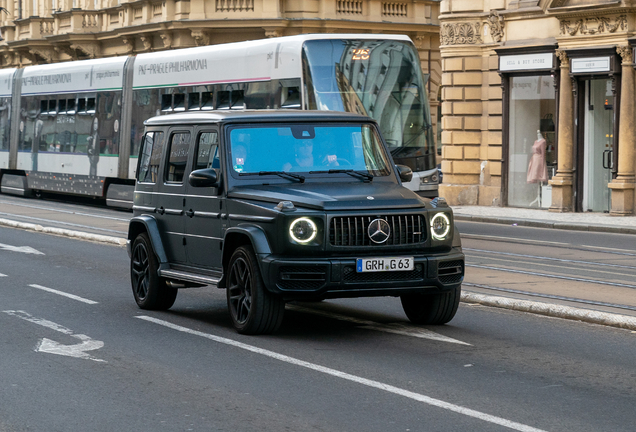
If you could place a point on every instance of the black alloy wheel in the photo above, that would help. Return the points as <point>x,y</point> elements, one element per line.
<point>150,291</point>
<point>253,309</point>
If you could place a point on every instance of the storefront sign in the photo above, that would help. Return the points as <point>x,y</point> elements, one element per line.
<point>524,62</point>
<point>591,64</point>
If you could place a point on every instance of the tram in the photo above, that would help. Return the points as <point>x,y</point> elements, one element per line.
<point>75,127</point>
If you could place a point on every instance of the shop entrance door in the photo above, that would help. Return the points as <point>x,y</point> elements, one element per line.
<point>597,155</point>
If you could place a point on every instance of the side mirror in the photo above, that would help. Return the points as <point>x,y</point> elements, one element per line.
<point>207,177</point>
<point>406,174</point>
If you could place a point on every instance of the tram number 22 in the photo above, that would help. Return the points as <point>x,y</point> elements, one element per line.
<point>360,54</point>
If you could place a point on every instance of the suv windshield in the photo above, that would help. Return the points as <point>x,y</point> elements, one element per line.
<point>307,148</point>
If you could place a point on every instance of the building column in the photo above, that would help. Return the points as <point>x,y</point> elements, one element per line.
<point>562,181</point>
<point>623,185</point>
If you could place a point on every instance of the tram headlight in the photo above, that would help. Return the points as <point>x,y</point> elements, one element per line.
<point>303,230</point>
<point>440,226</point>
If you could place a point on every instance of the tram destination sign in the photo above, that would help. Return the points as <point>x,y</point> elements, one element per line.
<point>524,62</point>
<point>591,64</point>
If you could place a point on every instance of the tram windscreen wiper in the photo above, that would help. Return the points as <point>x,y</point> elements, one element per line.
<point>353,173</point>
<point>283,174</point>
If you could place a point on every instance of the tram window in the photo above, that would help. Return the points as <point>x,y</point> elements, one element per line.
<point>207,101</point>
<point>179,102</point>
<point>52,107</point>
<point>62,106</point>
<point>90,105</point>
<point>290,97</point>
<point>81,106</point>
<point>193,101</point>
<point>178,156</point>
<point>166,102</point>
<point>44,107</point>
<point>70,106</point>
<point>223,100</point>
<point>238,99</point>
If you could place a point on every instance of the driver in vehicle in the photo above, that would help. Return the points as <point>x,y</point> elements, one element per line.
<point>304,158</point>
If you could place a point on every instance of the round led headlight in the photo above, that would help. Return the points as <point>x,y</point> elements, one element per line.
<point>440,226</point>
<point>303,230</point>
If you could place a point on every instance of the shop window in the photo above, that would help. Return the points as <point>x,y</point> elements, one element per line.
<point>531,137</point>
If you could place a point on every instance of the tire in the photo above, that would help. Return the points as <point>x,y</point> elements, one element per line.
<point>433,309</point>
<point>151,291</point>
<point>253,309</point>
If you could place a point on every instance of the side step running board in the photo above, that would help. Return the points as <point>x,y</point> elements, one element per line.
<point>189,277</point>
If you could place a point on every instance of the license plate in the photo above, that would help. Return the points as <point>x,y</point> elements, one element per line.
<point>384,264</point>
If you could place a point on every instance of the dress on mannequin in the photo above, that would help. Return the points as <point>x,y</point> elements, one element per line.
<point>537,168</point>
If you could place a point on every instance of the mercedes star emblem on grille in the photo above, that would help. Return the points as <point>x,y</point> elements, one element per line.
<point>379,231</point>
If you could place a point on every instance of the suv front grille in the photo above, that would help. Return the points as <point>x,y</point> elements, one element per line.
<point>352,230</point>
<point>450,271</point>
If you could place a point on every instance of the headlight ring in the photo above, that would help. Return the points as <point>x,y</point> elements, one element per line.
<point>303,230</point>
<point>440,226</point>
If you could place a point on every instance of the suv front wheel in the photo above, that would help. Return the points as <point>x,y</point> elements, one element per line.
<point>150,291</point>
<point>253,309</point>
<point>438,308</point>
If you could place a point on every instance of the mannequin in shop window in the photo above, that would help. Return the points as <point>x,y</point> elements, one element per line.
<point>537,168</point>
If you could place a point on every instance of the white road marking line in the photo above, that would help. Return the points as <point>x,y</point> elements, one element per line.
<point>61,223</point>
<point>3,275</point>
<point>499,238</point>
<point>23,249</point>
<point>396,328</point>
<point>71,296</point>
<point>343,375</point>
<point>49,346</point>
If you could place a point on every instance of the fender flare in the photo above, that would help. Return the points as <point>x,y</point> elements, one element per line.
<point>256,237</point>
<point>148,224</point>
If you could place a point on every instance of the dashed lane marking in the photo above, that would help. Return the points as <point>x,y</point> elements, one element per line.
<point>64,294</point>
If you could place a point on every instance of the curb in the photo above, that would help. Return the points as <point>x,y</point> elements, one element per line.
<point>64,232</point>
<point>552,310</point>
<point>536,223</point>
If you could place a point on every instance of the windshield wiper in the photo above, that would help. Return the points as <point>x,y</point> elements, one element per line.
<point>283,174</point>
<point>353,173</point>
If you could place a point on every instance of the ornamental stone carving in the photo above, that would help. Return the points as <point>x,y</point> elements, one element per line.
<point>200,37</point>
<point>460,34</point>
<point>91,50</point>
<point>626,53</point>
<point>563,58</point>
<point>496,24</point>
<point>593,25</point>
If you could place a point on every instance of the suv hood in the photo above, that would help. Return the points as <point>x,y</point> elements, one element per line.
<point>334,196</point>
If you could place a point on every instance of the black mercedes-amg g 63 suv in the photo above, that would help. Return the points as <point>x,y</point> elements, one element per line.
<point>276,206</point>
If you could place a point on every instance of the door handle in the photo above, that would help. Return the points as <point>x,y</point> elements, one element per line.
<point>161,210</point>
<point>189,213</point>
<point>607,157</point>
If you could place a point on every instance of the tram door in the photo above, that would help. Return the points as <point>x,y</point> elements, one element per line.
<point>598,145</point>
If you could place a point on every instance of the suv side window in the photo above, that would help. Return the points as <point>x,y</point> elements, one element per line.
<point>150,157</point>
<point>177,157</point>
<point>207,151</point>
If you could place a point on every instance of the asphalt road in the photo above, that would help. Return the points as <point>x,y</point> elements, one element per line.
<point>77,354</point>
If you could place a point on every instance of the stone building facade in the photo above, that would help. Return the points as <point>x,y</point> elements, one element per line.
<point>50,31</point>
<point>538,104</point>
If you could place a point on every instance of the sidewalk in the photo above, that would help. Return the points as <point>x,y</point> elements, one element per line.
<point>598,222</point>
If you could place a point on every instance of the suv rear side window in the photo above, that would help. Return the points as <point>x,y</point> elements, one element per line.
<point>150,157</point>
<point>178,157</point>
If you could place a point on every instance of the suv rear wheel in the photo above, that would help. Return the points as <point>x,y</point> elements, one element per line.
<point>253,309</point>
<point>437,308</point>
<point>150,291</point>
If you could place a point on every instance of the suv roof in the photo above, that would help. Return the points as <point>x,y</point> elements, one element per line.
<point>253,115</point>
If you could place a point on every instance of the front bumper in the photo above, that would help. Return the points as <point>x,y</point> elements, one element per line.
<point>297,279</point>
